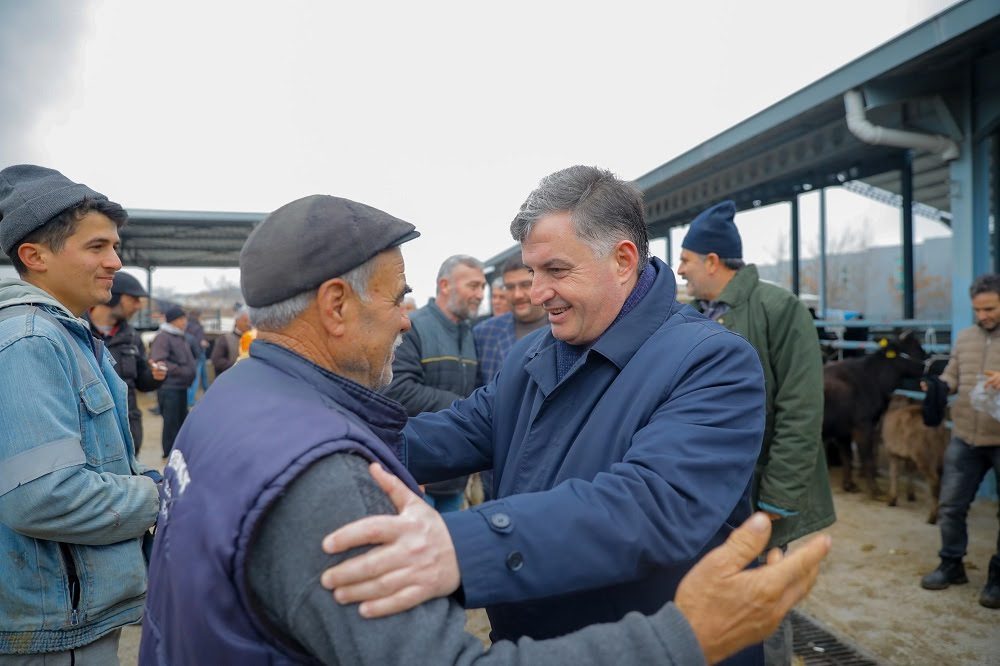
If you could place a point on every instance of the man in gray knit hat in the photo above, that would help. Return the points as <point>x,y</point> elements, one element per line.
<point>73,507</point>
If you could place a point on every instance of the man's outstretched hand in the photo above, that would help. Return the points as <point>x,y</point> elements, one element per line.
<point>413,559</point>
<point>729,607</point>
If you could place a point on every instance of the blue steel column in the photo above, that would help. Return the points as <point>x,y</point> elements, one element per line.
<point>906,182</point>
<point>669,250</point>
<point>996,201</point>
<point>970,244</point>
<point>981,204</point>
<point>795,245</point>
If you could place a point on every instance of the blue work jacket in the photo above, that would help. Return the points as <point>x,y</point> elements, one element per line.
<point>612,482</point>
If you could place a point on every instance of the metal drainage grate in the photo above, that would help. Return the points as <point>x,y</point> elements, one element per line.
<point>818,647</point>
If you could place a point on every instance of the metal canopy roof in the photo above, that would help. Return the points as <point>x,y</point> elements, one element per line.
<point>802,142</point>
<point>185,238</point>
<point>156,238</point>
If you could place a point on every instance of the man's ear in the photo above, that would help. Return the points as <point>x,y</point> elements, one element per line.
<point>626,256</point>
<point>333,302</point>
<point>712,262</point>
<point>443,286</point>
<point>34,256</point>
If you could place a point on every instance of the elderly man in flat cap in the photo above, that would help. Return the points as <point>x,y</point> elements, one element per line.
<point>294,441</point>
<point>73,510</point>
<point>791,480</point>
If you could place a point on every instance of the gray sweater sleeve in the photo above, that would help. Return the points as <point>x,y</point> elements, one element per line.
<point>285,561</point>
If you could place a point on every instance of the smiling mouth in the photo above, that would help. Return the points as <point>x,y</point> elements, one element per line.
<point>555,312</point>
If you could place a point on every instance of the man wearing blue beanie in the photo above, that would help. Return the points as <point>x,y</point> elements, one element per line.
<point>73,507</point>
<point>791,481</point>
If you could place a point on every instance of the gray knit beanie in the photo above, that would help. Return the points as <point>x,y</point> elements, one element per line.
<point>30,196</point>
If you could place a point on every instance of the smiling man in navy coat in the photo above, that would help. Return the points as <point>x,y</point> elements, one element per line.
<point>624,438</point>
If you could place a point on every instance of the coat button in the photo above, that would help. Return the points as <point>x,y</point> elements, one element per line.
<point>515,560</point>
<point>500,520</point>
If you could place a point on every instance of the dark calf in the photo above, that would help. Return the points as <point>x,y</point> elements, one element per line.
<point>856,394</point>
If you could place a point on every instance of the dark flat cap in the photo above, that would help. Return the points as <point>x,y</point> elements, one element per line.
<point>309,241</point>
<point>127,284</point>
<point>30,196</point>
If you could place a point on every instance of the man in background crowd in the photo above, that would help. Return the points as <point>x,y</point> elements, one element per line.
<point>199,346</point>
<point>495,336</point>
<point>499,303</point>
<point>110,324</point>
<point>436,363</point>
<point>226,348</point>
<point>791,482</point>
<point>975,442</point>
<point>172,348</point>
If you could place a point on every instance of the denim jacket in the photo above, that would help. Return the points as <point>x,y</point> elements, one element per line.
<point>72,509</point>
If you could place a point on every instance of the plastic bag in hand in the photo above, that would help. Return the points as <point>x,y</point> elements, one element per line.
<point>985,400</point>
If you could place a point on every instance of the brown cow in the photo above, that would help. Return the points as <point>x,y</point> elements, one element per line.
<point>856,392</point>
<point>909,442</point>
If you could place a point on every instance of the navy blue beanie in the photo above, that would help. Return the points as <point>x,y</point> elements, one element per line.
<point>714,231</point>
<point>173,313</point>
<point>30,196</point>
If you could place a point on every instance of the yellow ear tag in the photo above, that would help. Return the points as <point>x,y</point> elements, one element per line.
<point>883,343</point>
<point>890,354</point>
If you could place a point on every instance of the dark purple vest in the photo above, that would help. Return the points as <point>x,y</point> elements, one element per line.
<point>262,423</point>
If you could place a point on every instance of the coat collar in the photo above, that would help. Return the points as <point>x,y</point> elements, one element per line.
<point>19,292</point>
<point>619,343</point>
<point>737,292</point>
<point>385,417</point>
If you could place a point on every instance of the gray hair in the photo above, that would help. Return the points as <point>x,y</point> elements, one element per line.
<point>605,209</point>
<point>733,264</point>
<point>278,315</point>
<point>456,260</point>
<point>985,284</point>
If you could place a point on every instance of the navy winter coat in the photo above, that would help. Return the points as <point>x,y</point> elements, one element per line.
<point>611,482</point>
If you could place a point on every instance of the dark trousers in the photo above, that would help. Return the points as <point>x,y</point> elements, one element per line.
<point>173,409</point>
<point>964,469</point>
<point>135,427</point>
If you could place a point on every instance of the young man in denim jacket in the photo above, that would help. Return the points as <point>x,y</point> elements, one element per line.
<point>73,509</point>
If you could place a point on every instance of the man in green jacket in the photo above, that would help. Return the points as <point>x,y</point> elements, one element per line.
<point>790,482</point>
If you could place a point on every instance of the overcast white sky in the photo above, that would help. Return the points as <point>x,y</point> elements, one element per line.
<point>442,113</point>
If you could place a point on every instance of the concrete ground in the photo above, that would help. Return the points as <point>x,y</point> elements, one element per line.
<point>869,589</point>
<point>868,592</point>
